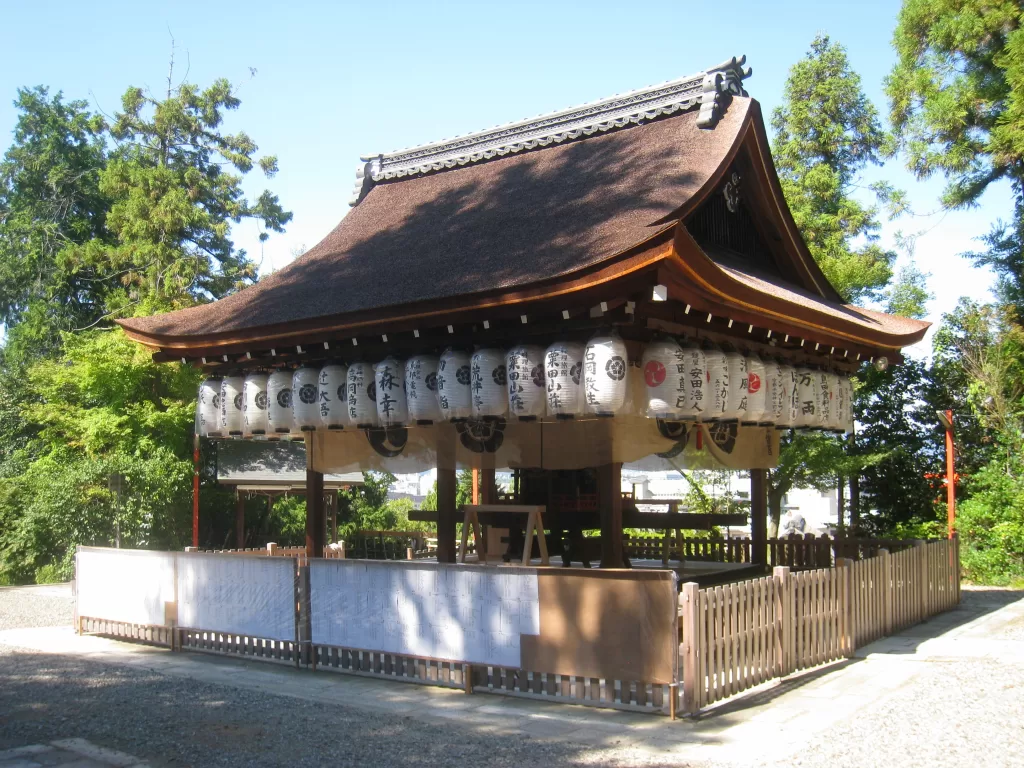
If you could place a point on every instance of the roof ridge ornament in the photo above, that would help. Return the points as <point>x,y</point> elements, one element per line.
<point>711,90</point>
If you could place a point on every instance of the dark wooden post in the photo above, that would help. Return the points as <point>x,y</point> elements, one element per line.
<point>609,499</point>
<point>759,516</point>
<point>315,518</point>
<point>239,520</point>
<point>447,486</point>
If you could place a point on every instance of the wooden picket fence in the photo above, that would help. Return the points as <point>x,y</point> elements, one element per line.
<point>737,636</point>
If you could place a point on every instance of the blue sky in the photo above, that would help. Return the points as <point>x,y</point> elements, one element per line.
<point>337,80</point>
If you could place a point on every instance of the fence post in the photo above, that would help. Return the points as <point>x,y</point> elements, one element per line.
<point>271,549</point>
<point>887,589</point>
<point>843,566</point>
<point>690,600</point>
<point>784,617</point>
<point>921,573</point>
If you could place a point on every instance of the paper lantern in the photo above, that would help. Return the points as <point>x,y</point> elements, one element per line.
<point>736,402</point>
<point>306,399</point>
<point>490,382</point>
<point>564,376</point>
<point>362,395</point>
<point>279,402</point>
<point>454,396</point>
<point>527,385</point>
<point>421,389</point>
<point>254,404</point>
<point>209,408</point>
<point>605,375</point>
<point>776,403</point>
<point>808,398</point>
<point>231,398</point>
<point>791,404</point>
<point>392,408</point>
<point>332,391</point>
<point>757,394</point>
<point>695,386</point>
<point>717,367</point>
<point>664,368</point>
<point>851,413</point>
<point>839,403</point>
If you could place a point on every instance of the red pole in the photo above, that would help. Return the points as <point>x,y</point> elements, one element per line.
<point>950,476</point>
<point>195,493</point>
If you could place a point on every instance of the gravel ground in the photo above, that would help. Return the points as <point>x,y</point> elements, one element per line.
<point>43,606</point>
<point>964,711</point>
<point>177,722</point>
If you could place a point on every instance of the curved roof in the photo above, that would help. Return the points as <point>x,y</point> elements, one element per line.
<point>537,209</point>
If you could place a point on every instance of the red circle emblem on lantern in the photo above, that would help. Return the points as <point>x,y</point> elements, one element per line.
<point>654,373</point>
<point>753,383</point>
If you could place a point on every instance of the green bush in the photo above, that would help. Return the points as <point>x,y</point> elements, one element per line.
<point>991,528</point>
<point>48,574</point>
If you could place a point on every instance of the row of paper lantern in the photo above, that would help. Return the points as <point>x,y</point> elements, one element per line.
<point>685,381</point>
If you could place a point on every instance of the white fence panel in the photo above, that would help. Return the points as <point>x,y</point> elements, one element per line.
<point>124,585</point>
<point>457,613</point>
<point>237,594</point>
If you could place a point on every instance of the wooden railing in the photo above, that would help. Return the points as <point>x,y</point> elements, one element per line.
<point>736,636</point>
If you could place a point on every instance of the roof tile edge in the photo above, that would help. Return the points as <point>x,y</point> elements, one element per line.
<point>711,90</point>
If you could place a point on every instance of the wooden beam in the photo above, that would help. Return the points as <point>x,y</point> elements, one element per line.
<point>759,516</point>
<point>609,502</point>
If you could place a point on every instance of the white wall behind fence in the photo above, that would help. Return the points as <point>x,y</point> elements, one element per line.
<point>125,585</point>
<point>457,613</point>
<point>237,594</point>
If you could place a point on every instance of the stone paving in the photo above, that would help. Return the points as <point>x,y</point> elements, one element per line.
<point>778,717</point>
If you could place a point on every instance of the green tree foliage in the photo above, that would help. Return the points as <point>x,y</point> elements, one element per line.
<point>104,407</point>
<point>50,200</point>
<point>826,133</point>
<point>175,180</point>
<point>957,105</point>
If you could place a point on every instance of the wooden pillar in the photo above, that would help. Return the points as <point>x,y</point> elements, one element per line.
<point>315,518</point>
<point>759,516</point>
<point>609,500</point>
<point>447,486</point>
<point>239,520</point>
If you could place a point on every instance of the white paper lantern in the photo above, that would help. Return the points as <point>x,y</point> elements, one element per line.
<point>839,403</point>
<point>757,392</point>
<point>791,409</point>
<point>826,415</point>
<point>279,402</point>
<point>718,383</point>
<point>392,408</point>
<point>454,396</point>
<point>527,386</point>
<point>231,398</point>
<point>808,398</point>
<point>362,395</point>
<point>696,388</point>
<point>850,411</point>
<point>564,375</point>
<point>490,383</point>
<point>254,404</point>
<point>332,390</point>
<point>664,368</point>
<point>209,408</point>
<point>776,400</point>
<point>421,389</point>
<point>605,375</point>
<point>306,399</point>
<point>736,402</point>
